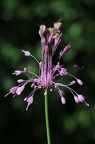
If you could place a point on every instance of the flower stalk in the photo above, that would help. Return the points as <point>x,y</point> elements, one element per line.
<point>49,72</point>
<point>46,117</point>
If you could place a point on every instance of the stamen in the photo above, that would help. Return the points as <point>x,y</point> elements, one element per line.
<point>78,80</point>
<point>32,73</point>
<point>35,58</point>
<point>86,104</point>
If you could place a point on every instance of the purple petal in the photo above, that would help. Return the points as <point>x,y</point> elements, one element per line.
<point>50,39</point>
<point>76,99</point>
<point>17,72</point>
<point>63,71</point>
<point>72,82</point>
<point>25,70</point>
<point>29,100</point>
<point>79,82</point>
<point>81,98</point>
<point>63,100</point>
<point>20,89</point>
<point>20,80</point>
<point>65,50</point>
<point>13,90</point>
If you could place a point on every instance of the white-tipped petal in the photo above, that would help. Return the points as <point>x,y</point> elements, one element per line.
<point>29,100</point>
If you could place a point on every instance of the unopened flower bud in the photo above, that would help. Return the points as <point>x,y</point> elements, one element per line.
<point>72,82</point>
<point>52,30</point>
<point>57,25</point>
<point>56,35</point>
<point>42,30</point>
<point>63,100</point>
<point>20,80</point>
<point>79,82</point>
<point>25,70</point>
<point>26,53</point>
<point>65,50</point>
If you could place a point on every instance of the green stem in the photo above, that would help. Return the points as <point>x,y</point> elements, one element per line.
<point>46,117</point>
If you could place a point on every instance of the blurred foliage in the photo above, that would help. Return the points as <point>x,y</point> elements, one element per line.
<point>19,25</point>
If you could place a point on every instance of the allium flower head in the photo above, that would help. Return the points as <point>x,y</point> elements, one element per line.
<point>49,71</point>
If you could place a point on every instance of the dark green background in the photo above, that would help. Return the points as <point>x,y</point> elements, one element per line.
<point>19,25</point>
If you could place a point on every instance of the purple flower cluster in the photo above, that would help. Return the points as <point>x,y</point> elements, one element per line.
<point>49,72</point>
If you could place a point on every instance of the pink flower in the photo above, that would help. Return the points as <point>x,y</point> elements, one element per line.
<point>81,98</point>
<point>20,90</point>
<point>20,80</point>
<point>79,82</point>
<point>63,100</point>
<point>72,82</point>
<point>17,72</point>
<point>49,70</point>
<point>29,100</point>
<point>63,71</point>
<point>76,99</point>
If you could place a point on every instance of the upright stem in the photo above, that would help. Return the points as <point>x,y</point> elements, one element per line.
<point>46,117</point>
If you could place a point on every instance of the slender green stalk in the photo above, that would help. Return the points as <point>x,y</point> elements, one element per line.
<point>46,117</point>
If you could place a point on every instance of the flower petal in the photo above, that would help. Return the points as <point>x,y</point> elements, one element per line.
<point>81,98</point>
<point>63,100</point>
<point>13,90</point>
<point>76,99</point>
<point>20,89</point>
<point>20,80</point>
<point>17,72</point>
<point>79,82</point>
<point>29,100</point>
